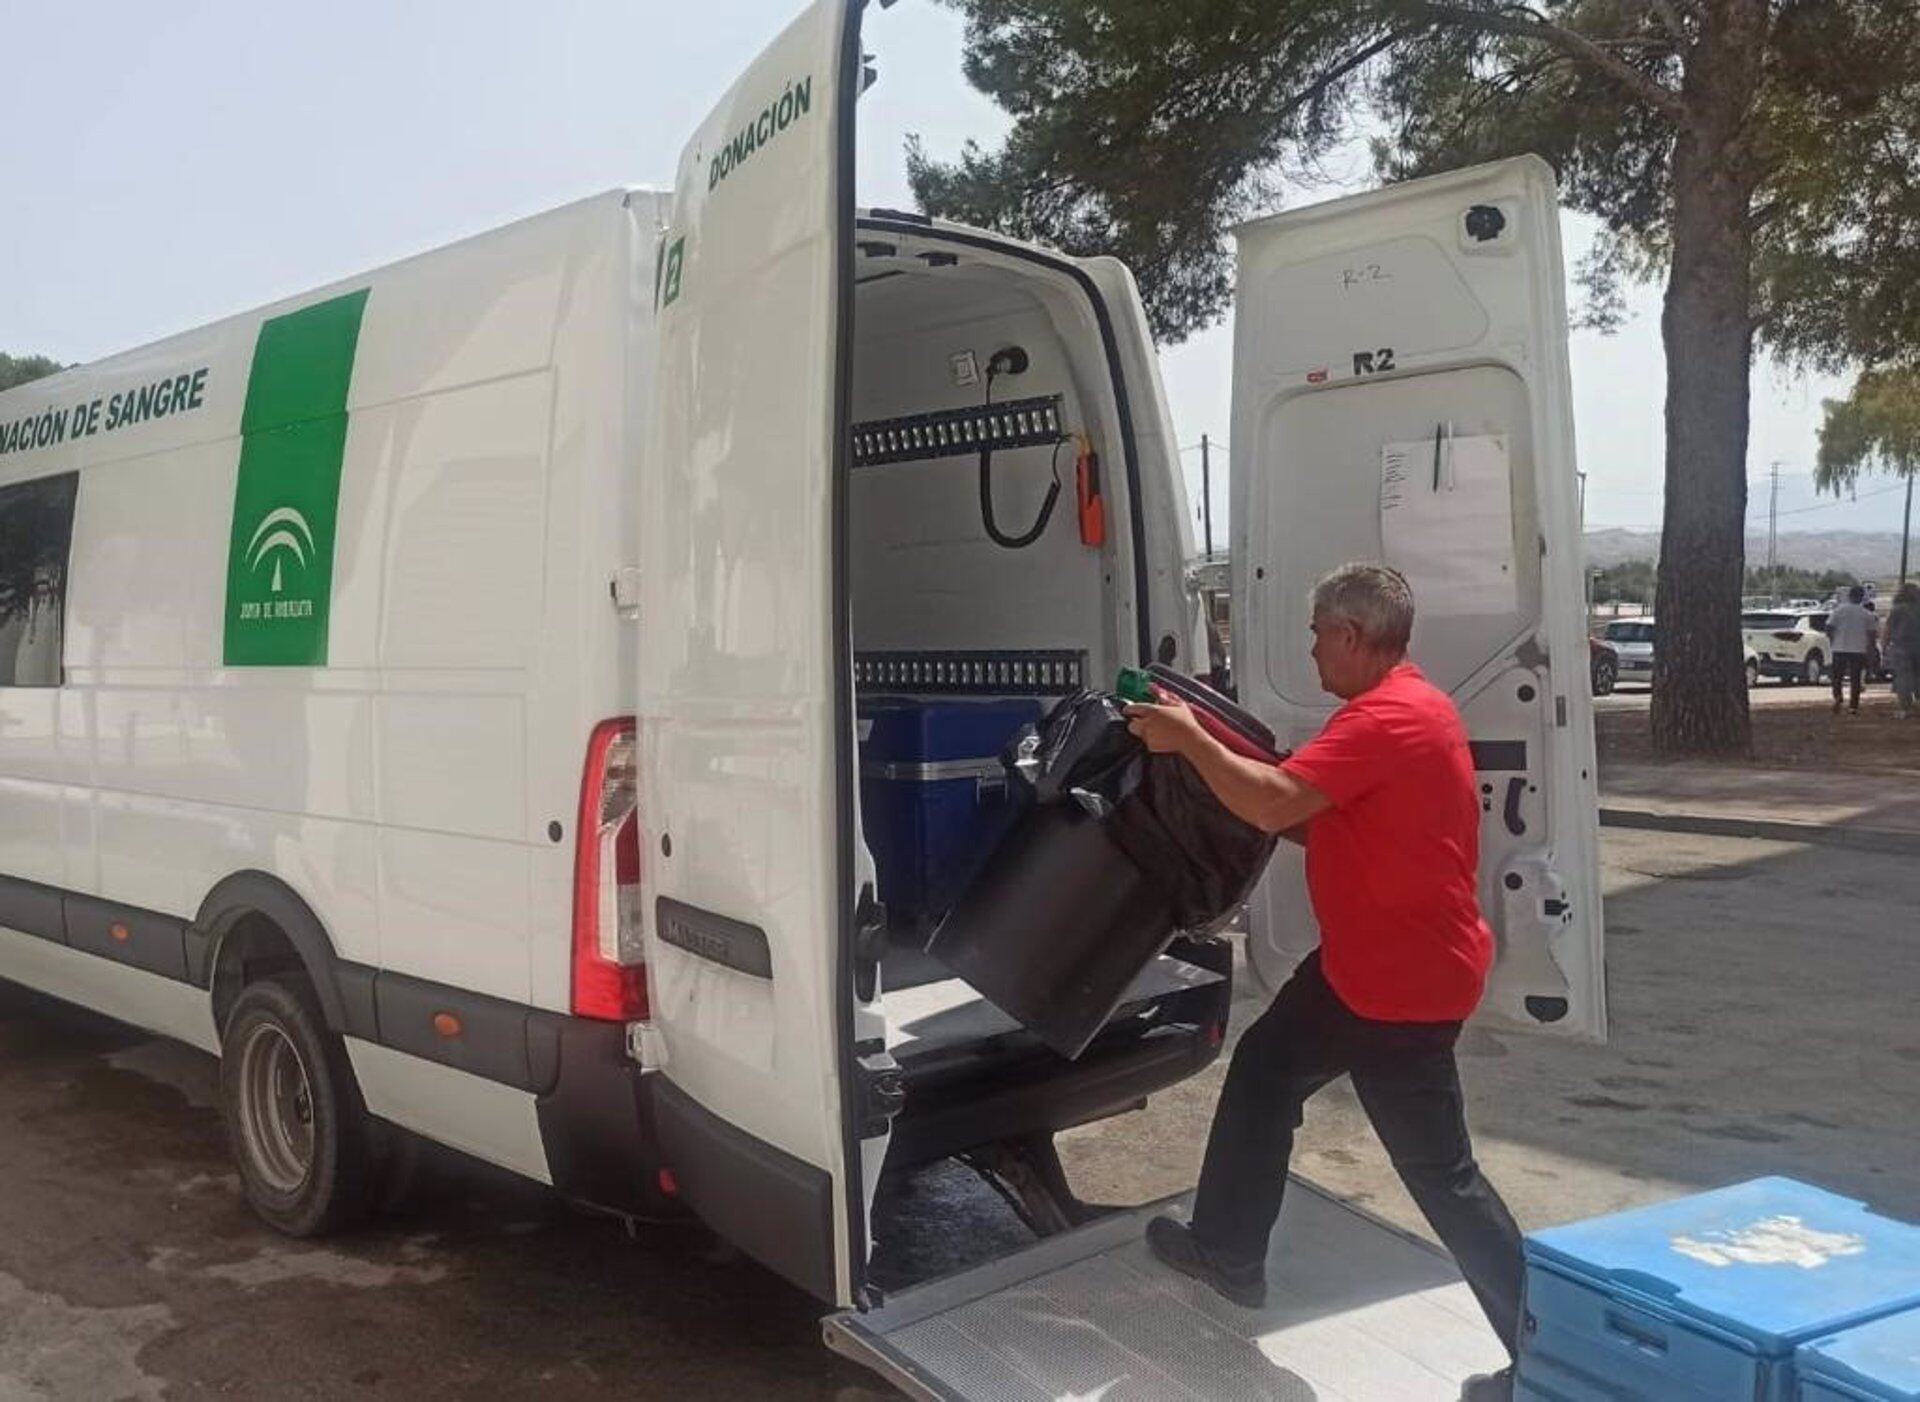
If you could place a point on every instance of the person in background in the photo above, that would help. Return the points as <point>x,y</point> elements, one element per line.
<point>1384,800</point>
<point>1850,628</point>
<point>1901,645</point>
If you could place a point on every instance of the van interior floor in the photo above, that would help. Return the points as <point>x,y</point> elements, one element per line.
<point>1357,1311</point>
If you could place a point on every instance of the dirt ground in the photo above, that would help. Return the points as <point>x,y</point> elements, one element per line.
<point>1791,732</point>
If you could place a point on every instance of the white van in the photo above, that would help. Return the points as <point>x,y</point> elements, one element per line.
<point>436,694</point>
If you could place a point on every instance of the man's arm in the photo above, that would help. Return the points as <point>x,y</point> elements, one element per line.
<point>1261,794</point>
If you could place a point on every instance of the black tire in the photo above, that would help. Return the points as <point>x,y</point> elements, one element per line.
<point>1605,674</point>
<point>1813,671</point>
<point>284,1078</point>
<point>1753,675</point>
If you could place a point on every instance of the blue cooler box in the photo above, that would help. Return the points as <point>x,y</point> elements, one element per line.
<point>1878,1362</point>
<point>1708,1297</point>
<point>933,794</point>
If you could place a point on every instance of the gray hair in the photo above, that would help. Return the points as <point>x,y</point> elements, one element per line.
<point>1375,599</point>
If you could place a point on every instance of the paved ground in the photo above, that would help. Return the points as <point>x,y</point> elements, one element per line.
<point>130,1269</point>
<point>1762,1021</point>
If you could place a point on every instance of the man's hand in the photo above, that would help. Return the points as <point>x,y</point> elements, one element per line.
<point>1261,794</point>
<point>1168,728</point>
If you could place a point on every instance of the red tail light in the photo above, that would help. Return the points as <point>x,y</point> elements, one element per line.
<point>609,975</point>
<point>1788,635</point>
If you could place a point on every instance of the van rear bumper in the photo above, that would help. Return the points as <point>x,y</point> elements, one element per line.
<point>599,1128</point>
<point>600,1118</point>
<point>597,1122</point>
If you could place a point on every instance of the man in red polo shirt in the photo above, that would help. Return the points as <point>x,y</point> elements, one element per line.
<point>1384,799</point>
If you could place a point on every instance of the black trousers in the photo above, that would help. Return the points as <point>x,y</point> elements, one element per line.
<point>1405,1076</point>
<point>1849,664</point>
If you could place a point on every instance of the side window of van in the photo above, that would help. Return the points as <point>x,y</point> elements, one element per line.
<point>36,531</point>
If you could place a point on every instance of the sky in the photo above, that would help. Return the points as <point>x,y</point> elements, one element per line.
<point>204,156</point>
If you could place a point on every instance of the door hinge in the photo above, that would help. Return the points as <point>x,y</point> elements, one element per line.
<point>882,1091</point>
<point>870,926</point>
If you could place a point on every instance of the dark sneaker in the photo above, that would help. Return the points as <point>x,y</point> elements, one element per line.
<point>1489,1387</point>
<point>1172,1242</point>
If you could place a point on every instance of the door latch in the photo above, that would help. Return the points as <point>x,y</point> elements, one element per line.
<point>869,926</point>
<point>624,589</point>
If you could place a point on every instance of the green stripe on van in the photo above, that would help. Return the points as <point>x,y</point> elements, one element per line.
<point>286,497</point>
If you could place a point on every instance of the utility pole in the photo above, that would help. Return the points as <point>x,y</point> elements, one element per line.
<point>1206,493</point>
<point>1773,535</point>
<point>1906,528</point>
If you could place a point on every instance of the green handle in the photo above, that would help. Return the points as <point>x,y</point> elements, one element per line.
<point>1134,685</point>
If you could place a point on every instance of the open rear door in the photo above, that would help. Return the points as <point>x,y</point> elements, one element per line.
<point>744,715</point>
<point>1401,394</point>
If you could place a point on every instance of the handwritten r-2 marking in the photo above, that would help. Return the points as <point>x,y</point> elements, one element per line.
<point>1366,272</point>
<point>1373,362</point>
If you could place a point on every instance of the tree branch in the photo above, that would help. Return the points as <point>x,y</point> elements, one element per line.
<point>1766,212</point>
<point>1517,83</point>
<point>1324,83</point>
<point>1655,94</point>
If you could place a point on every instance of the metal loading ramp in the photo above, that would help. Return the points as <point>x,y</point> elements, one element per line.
<point>1357,1311</point>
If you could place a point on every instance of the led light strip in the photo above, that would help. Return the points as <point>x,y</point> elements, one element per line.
<point>1018,423</point>
<point>972,673</point>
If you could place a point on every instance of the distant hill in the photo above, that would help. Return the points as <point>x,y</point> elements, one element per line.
<point>1866,554</point>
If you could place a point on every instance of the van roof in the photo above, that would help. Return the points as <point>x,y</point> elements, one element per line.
<point>53,387</point>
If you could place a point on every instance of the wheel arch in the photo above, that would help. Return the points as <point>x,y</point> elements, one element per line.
<point>254,920</point>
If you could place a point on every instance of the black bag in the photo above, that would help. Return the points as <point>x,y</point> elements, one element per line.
<point>1201,858</point>
<point>1118,850</point>
<point>1198,856</point>
<point>1081,749</point>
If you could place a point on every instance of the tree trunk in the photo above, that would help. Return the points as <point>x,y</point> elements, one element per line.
<point>1699,678</point>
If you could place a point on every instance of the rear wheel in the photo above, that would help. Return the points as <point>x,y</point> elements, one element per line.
<point>1814,670</point>
<point>295,1121</point>
<point>1753,675</point>
<point>1605,673</point>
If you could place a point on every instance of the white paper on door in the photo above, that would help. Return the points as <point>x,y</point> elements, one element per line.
<point>1446,522</point>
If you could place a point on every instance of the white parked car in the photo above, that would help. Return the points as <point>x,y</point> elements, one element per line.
<point>1632,639</point>
<point>1791,644</point>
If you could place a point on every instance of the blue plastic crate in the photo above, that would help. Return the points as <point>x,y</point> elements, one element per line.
<point>1877,1362</point>
<point>933,795</point>
<point>1707,1297</point>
